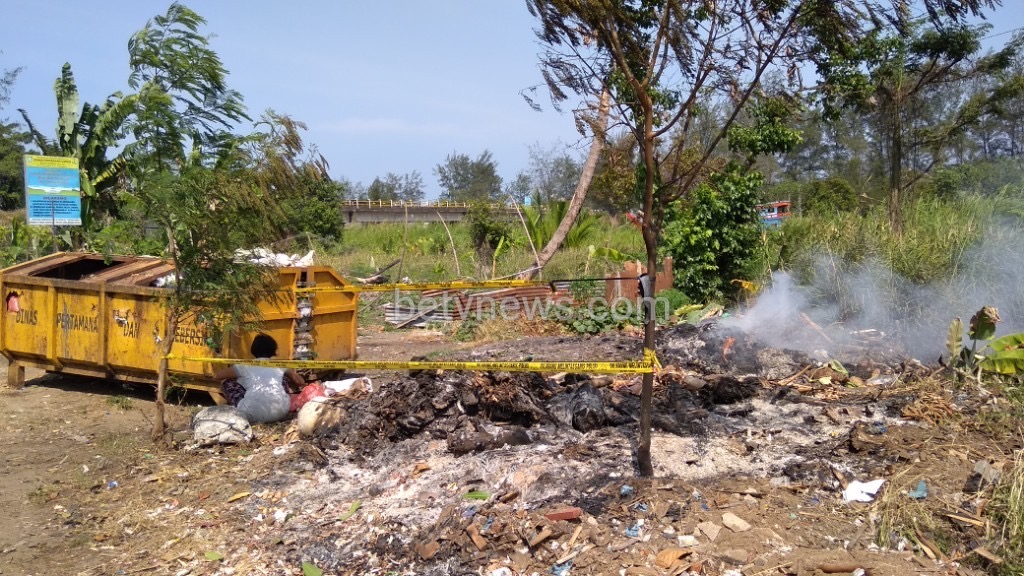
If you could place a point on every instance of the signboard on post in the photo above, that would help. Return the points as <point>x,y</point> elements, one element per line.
<point>52,191</point>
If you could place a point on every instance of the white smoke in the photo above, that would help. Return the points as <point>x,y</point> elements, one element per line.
<point>843,299</point>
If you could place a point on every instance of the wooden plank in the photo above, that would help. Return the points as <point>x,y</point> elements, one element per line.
<point>16,375</point>
<point>120,271</point>
<point>147,278</point>
<point>36,267</point>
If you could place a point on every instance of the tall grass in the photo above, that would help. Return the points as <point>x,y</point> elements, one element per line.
<point>428,254</point>
<point>936,237</point>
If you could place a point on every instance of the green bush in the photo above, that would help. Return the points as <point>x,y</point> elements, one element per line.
<point>828,196</point>
<point>713,235</point>
<point>315,214</point>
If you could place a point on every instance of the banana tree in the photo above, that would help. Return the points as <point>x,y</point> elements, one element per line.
<point>1004,355</point>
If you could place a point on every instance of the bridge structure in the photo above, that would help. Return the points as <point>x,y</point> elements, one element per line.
<point>399,211</point>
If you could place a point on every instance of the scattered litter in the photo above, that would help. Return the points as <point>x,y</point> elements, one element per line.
<point>474,534</point>
<point>347,386</point>
<point>919,493</point>
<point>428,550</point>
<point>698,497</point>
<point>477,495</point>
<point>561,569</point>
<point>633,531</point>
<point>858,491</point>
<point>710,529</point>
<point>213,556</point>
<point>626,491</point>
<point>351,511</point>
<point>220,425</point>
<point>734,522</point>
<point>265,257</point>
<point>985,475</point>
<point>309,569</point>
<point>669,556</point>
<point>570,513</point>
<point>687,540</point>
<point>876,428</point>
<point>112,484</point>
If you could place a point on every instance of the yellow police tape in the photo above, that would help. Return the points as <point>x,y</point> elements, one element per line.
<point>419,286</point>
<point>648,365</point>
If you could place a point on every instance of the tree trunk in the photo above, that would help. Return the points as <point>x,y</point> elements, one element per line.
<point>643,450</point>
<point>599,126</point>
<point>896,171</point>
<point>649,230</point>
<point>159,423</point>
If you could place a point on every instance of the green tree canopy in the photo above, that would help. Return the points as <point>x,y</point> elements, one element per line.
<point>406,188</point>
<point>186,112</point>
<point>553,173</point>
<point>906,81</point>
<point>12,147</point>
<point>663,60</point>
<point>463,179</point>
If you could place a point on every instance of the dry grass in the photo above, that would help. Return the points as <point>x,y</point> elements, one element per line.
<point>502,329</point>
<point>930,407</point>
<point>1008,503</point>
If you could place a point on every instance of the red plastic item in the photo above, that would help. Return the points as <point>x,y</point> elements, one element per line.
<point>308,393</point>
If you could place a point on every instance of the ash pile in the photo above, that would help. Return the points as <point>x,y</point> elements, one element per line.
<point>458,472</point>
<point>705,368</point>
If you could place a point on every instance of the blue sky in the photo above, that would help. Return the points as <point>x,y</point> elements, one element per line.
<point>386,86</point>
<point>390,86</point>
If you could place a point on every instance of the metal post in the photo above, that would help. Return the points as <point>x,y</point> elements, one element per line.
<point>53,222</point>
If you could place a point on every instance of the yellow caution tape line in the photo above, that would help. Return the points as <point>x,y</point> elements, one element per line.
<point>419,286</point>
<point>646,366</point>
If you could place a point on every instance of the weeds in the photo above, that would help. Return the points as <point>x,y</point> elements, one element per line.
<point>429,256</point>
<point>498,329</point>
<point>44,494</point>
<point>1008,503</point>
<point>122,403</point>
<point>933,245</point>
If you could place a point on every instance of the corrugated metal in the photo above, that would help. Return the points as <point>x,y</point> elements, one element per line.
<point>397,315</point>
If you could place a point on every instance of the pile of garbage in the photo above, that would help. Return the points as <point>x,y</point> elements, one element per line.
<point>501,473</point>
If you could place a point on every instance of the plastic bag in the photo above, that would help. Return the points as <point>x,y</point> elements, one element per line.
<point>348,386</point>
<point>308,393</point>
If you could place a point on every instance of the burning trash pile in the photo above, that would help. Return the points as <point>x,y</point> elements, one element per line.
<point>517,473</point>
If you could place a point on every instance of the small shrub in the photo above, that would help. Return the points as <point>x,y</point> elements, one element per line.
<point>714,234</point>
<point>122,403</point>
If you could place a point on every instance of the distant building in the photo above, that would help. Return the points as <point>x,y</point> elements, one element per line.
<point>774,213</point>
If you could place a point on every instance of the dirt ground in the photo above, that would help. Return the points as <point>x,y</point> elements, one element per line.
<point>83,490</point>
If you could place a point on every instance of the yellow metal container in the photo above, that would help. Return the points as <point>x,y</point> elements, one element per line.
<point>103,316</point>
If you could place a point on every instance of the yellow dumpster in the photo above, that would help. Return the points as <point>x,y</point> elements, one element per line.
<point>102,316</point>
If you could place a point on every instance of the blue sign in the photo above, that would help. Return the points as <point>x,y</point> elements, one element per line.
<point>52,191</point>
